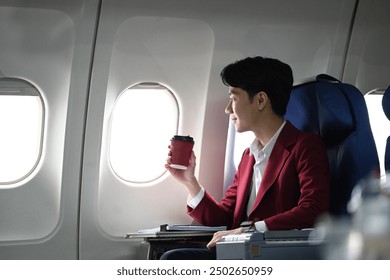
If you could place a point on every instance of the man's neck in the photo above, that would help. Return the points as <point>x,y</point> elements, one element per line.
<point>265,133</point>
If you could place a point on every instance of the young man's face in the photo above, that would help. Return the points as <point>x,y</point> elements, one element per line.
<point>243,113</point>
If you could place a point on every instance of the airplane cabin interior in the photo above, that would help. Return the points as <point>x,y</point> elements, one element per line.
<point>91,92</point>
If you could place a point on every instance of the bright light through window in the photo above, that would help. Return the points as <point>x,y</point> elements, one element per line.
<point>21,120</point>
<point>379,124</point>
<point>144,120</point>
<point>242,141</point>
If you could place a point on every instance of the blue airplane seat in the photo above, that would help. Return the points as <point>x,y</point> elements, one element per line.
<point>337,112</point>
<point>386,110</point>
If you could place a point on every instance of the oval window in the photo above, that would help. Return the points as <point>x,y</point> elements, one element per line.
<point>144,119</point>
<point>21,126</point>
<point>378,122</point>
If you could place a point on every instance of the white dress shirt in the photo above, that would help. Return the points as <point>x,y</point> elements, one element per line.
<point>261,155</point>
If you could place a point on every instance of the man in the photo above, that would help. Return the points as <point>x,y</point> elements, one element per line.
<point>282,181</point>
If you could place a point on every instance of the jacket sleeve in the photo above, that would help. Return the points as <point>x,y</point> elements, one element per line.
<point>213,213</point>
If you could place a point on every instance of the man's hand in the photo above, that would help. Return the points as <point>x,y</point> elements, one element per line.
<point>187,176</point>
<point>219,234</point>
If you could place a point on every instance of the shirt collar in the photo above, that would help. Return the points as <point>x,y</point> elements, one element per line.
<point>256,147</point>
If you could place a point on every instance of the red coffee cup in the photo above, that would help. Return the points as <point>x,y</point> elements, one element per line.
<point>181,148</point>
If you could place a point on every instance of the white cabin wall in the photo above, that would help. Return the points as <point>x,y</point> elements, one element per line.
<point>49,44</point>
<point>368,59</point>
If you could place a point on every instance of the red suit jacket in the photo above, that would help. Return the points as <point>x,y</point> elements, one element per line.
<point>293,192</point>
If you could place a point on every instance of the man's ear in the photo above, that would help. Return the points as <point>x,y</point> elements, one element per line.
<point>261,100</point>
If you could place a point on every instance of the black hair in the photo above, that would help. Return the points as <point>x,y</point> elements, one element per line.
<point>255,74</point>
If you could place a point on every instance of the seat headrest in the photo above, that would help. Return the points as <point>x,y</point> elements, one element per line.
<point>335,116</point>
<point>322,108</point>
<point>386,102</point>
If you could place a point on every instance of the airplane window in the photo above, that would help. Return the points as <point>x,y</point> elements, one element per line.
<point>379,123</point>
<point>144,119</point>
<point>236,144</point>
<point>242,141</point>
<point>21,126</point>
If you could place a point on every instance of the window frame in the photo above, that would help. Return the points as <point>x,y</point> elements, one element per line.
<point>10,86</point>
<point>175,104</point>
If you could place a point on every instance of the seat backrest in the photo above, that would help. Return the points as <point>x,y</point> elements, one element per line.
<point>337,112</point>
<point>386,110</point>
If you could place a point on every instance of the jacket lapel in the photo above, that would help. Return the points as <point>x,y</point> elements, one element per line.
<point>246,167</point>
<point>276,161</point>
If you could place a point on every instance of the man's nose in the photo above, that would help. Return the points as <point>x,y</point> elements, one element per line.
<point>228,109</point>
